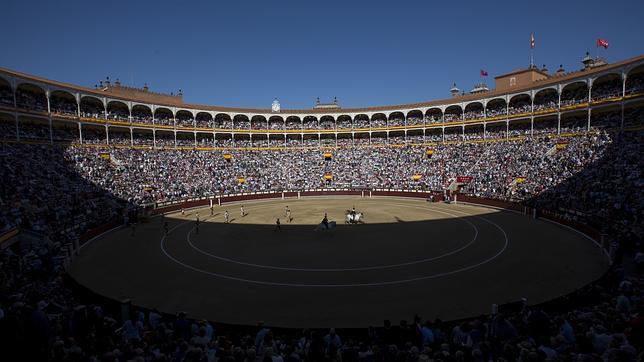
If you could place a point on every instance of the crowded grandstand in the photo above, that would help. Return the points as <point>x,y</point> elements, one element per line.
<point>76,159</point>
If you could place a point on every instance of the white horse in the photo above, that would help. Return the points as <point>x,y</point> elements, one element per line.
<point>358,218</point>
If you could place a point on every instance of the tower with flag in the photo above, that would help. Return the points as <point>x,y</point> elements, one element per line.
<point>601,43</point>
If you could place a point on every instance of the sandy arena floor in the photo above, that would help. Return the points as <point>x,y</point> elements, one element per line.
<point>410,257</point>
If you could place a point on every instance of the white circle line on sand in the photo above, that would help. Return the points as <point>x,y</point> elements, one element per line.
<point>376,284</point>
<point>375,267</point>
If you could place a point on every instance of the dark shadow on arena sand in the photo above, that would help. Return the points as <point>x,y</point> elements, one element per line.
<point>442,264</point>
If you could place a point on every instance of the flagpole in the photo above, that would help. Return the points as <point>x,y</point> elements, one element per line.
<point>532,50</point>
<point>596,48</point>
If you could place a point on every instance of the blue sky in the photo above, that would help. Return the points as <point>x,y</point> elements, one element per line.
<point>245,53</point>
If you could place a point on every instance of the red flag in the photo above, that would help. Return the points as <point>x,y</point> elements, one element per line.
<point>483,73</point>
<point>601,42</point>
<point>532,41</point>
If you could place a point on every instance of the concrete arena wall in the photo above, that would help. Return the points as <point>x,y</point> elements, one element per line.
<point>166,207</point>
<point>98,231</point>
<point>544,214</point>
<point>491,202</point>
<point>163,208</point>
<point>588,230</point>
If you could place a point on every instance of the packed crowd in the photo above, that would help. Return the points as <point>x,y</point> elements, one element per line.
<point>41,192</point>
<point>44,321</point>
<point>358,163</point>
<point>608,89</point>
<point>184,119</point>
<point>574,95</point>
<point>415,121</point>
<point>453,116</point>
<point>572,123</point>
<point>606,195</point>
<point>60,192</point>
<point>635,83</point>
<point>29,100</point>
<point>6,96</point>
<point>63,105</point>
<point>176,174</point>
<point>545,100</point>
<point>474,114</point>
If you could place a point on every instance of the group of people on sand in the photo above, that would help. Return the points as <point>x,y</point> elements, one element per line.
<point>227,220</point>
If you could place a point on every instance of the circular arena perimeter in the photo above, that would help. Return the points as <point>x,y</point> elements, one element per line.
<point>409,257</point>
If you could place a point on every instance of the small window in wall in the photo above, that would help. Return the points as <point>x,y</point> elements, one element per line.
<point>513,81</point>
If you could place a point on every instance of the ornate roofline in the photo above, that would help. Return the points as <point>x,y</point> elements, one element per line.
<point>553,80</point>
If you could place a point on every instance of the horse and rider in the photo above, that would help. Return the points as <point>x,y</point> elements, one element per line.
<point>326,224</point>
<point>354,217</point>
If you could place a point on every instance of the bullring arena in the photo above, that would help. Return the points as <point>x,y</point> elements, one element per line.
<point>436,259</point>
<point>502,217</point>
<point>322,182</point>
